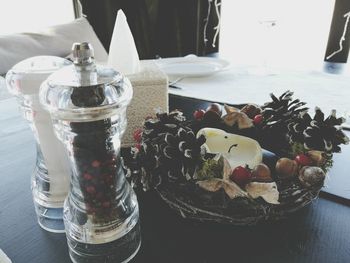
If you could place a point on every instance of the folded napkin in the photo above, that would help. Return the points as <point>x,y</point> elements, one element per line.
<point>150,85</point>
<point>123,55</point>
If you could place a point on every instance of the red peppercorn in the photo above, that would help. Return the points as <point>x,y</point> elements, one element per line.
<point>87,176</point>
<point>95,164</point>
<point>90,189</point>
<point>137,135</point>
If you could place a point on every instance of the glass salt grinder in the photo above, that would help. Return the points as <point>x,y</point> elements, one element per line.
<point>88,105</point>
<point>50,179</point>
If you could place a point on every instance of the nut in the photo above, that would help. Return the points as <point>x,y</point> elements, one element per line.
<point>286,167</point>
<point>216,107</point>
<point>251,110</point>
<point>261,173</point>
<point>312,177</point>
<point>318,158</point>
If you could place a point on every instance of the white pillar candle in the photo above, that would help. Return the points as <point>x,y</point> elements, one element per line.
<point>238,150</point>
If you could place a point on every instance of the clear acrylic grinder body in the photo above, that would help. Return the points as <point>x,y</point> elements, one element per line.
<point>50,179</point>
<point>88,105</point>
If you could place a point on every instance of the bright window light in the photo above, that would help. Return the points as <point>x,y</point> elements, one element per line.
<point>31,15</point>
<point>289,33</point>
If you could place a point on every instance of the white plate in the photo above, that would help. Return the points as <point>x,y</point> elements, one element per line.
<point>192,66</point>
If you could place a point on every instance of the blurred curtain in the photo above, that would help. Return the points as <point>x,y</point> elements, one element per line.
<point>339,35</point>
<point>164,28</point>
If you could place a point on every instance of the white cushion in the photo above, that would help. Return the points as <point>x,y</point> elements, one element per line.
<point>54,41</point>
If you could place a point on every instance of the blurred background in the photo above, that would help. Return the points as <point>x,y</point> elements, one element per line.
<point>290,33</point>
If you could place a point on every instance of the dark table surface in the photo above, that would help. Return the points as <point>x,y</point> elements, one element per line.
<point>318,233</point>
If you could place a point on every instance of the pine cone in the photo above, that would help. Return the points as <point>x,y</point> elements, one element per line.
<point>169,151</point>
<point>318,133</point>
<point>277,114</point>
<point>297,127</point>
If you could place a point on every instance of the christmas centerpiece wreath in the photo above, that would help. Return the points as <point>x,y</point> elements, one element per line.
<point>250,165</point>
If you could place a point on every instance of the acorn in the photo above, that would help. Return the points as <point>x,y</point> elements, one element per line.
<point>215,107</point>
<point>251,110</point>
<point>261,173</point>
<point>312,177</point>
<point>211,117</point>
<point>318,158</point>
<point>239,118</point>
<point>286,167</point>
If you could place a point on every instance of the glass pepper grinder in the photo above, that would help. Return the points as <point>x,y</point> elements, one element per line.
<point>88,105</point>
<point>50,179</point>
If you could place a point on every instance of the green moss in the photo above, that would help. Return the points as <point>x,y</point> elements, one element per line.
<point>295,149</point>
<point>298,148</point>
<point>211,169</point>
<point>328,164</point>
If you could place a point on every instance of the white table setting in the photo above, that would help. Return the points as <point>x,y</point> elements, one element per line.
<point>215,79</point>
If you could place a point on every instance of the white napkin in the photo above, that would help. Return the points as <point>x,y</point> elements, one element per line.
<point>123,55</point>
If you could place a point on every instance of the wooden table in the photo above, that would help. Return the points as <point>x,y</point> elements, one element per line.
<point>318,233</point>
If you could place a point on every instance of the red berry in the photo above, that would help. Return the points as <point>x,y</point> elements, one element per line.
<point>198,114</point>
<point>137,135</point>
<point>87,176</point>
<point>241,176</point>
<point>258,119</point>
<point>216,107</point>
<point>303,159</point>
<point>90,189</point>
<point>95,164</point>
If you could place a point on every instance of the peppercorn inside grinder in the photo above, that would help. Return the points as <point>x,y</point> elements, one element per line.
<point>88,105</point>
<point>50,179</point>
